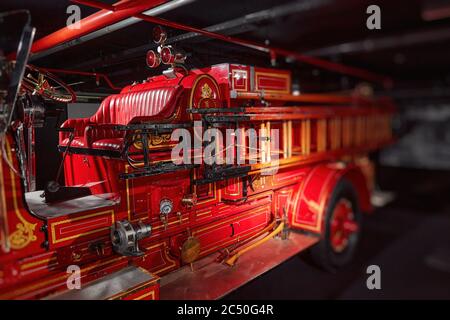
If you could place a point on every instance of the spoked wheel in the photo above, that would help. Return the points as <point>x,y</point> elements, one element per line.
<point>40,82</point>
<point>342,229</point>
<point>343,225</point>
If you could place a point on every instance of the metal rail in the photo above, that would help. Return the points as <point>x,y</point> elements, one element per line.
<point>312,98</point>
<point>97,75</point>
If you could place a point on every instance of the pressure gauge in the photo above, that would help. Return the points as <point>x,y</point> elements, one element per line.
<point>165,206</point>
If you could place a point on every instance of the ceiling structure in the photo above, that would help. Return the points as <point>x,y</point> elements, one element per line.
<point>412,47</point>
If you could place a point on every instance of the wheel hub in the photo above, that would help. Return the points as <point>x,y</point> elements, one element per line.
<point>343,225</point>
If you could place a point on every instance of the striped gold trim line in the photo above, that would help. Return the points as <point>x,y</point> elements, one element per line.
<point>54,240</point>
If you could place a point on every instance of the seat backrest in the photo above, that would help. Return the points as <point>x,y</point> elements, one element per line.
<point>122,108</point>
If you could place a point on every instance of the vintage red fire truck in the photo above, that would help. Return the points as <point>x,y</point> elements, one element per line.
<point>130,223</point>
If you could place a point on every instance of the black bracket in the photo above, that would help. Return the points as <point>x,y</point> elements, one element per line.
<point>223,172</point>
<point>214,110</point>
<point>159,168</point>
<point>152,127</point>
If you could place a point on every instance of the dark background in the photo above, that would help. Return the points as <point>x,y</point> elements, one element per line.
<point>409,237</point>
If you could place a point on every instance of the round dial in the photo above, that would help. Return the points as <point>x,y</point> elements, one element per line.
<point>165,206</point>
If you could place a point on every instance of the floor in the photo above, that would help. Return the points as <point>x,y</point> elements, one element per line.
<point>408,239</point>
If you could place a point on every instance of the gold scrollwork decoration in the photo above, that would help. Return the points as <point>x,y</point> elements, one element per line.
<point>158,139</point>
<point>153,140</point>
<point>23,235</point>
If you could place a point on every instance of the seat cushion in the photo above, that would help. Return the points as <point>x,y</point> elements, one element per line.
<point>129,107</point>
<point>97,132</point>
<point>77,142</point>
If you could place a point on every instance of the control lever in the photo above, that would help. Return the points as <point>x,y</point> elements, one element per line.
<point>54,184</point>
<point>164,219</point>
<point>53,191</point>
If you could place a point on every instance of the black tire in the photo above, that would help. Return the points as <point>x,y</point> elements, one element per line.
<point>323,253</point>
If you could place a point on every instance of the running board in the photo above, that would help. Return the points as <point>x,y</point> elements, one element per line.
<point>212,280</point>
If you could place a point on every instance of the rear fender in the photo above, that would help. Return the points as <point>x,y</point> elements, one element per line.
<point>311,202</point>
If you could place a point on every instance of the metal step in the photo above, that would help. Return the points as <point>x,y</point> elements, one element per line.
<point>213,280</point>
<point>116,284</point>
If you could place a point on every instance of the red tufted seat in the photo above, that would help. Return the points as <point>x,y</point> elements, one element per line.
<point>96,132</point>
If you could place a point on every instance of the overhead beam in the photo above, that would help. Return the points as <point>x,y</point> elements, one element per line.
<point>248,22</point>
<point>242,24</point>
<point>165,7</point>
<point>383,43</point>
<point>435,11</point>
<point>105,17</point>
<point>273,51</point>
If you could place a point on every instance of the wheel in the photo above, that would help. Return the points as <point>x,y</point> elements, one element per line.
<point>43,83</point>
<point>342,229</point>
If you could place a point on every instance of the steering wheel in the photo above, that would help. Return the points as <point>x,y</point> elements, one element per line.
<point>43,83</point>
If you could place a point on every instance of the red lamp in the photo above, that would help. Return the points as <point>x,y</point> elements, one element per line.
<point>159,35</point>
<point>153,59</point>
<point>168,56</point>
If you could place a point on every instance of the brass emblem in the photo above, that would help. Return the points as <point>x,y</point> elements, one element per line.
<point>190,250</point>
<point>207,92</point>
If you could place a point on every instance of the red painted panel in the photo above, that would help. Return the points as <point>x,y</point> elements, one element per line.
<point>66,230</point>
<point>157,258</point>
<point>275,81</point>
